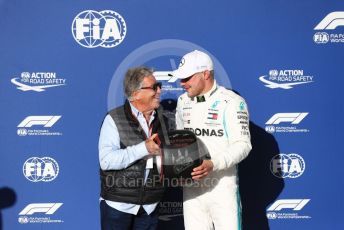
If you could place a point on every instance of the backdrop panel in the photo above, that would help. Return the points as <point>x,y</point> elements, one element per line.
<point>62,64</point>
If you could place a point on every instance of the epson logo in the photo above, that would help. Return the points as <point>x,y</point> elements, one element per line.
<point>294,204</point>
<point>293,118</point>
<point>206,132</point>
<point>93,29</point>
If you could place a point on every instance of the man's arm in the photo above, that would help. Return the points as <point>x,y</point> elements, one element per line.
<point>111,156</point>
<point>236,124</point>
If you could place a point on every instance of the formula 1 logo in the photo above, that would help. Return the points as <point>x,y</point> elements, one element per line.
<point>46,121</point>
<point>293,118</point>
<point>92,29</point>
<point>287,209</point>
<point>294,204</point>
<point>46,208</point>
<point>331,21</point>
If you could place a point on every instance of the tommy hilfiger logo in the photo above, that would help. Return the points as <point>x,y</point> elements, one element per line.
<point>212,115</point>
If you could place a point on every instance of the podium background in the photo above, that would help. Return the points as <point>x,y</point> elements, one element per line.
<point>247,39</point>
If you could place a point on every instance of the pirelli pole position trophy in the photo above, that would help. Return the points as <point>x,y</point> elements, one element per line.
<point>181,153</point>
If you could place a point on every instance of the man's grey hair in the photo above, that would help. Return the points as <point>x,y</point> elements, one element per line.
<point>133,79</point>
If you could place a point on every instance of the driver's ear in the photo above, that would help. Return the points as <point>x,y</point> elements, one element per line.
<point>206,74</point>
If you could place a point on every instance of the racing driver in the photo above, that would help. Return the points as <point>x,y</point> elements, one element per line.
<point>219,117</point>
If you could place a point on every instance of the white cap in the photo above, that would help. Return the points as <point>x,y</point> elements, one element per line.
<point>193,62</point>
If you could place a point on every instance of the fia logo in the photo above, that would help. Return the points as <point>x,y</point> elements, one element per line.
<point>321,37</point>
<point>37,169</point>
<point>287,165</point>
<point>92,29</point>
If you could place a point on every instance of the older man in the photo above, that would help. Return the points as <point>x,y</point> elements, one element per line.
<point>128,153</point>
<point>219,117</point>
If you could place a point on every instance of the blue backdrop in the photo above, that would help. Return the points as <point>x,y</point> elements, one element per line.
<point>61,69</point>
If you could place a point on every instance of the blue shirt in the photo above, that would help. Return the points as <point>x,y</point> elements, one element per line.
<point>112,157</point>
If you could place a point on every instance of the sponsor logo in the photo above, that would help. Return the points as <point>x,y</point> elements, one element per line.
<point>287,165</point>
<point>242,116</point>
<point>37,81</point>
<point>25,127</point>
<point>242,106</point>
<point>331,22</point>
<point>37,169</point>
<point>28,214</point>
<point>206,132</point>
<point>273,124</point>
<point>93,29</point>
<point>287,209</point>
<point>170,210</point>
<point>215,104</point>
<point>186,114</point>
<point>212,116</point>
<point>285,79</point>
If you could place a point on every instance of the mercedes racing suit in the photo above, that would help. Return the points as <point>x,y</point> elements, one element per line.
<point>220,119</point>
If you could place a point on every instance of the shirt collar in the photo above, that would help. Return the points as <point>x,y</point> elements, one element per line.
<point>139,114</point>
<point>204,97</point>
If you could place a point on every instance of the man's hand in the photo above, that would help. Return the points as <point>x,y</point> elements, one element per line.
<point>203,170</point>
<point>152,147</point>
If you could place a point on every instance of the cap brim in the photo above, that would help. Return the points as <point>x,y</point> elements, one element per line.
<point>182,74</point>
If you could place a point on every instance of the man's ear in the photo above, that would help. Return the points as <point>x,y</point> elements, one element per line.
<point>206,74</point>
<point>135,96</point>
